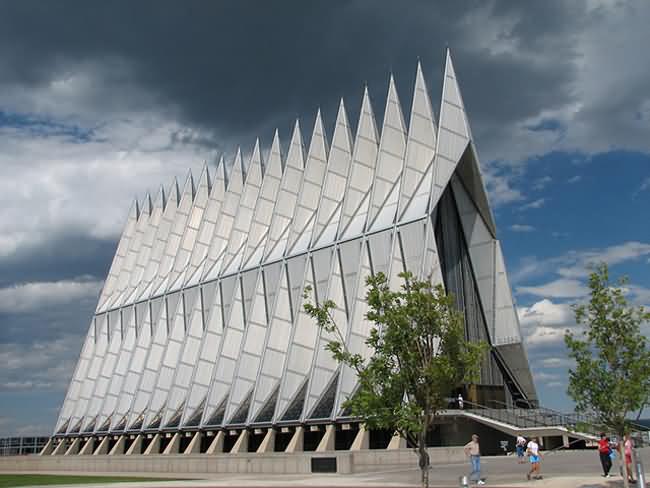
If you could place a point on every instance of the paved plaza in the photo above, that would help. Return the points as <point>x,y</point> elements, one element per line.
<point>560,469</point>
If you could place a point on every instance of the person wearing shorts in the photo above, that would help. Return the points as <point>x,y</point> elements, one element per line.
<point>520,446</point>
<point>628,445</point>
<point>532,449</point>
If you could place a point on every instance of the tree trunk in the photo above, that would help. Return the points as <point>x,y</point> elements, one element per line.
<point>621,449</point>
<point>423,459</point>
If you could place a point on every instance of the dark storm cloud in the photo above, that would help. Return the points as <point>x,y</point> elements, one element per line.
<point>48,323</point>
<point>62,257</point>
<point>246,66</point>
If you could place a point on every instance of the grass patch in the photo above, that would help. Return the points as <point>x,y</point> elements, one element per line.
<point>10,480</point>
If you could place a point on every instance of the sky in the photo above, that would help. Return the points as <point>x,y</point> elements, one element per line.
<point>102,102</point>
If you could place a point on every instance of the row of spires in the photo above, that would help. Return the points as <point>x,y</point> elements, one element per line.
<point>147,204</point>
<point>400,172</point>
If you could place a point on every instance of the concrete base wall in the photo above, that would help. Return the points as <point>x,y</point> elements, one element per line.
<point>189,464</point>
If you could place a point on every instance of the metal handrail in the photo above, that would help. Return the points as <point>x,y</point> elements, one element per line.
<point>542,417</point>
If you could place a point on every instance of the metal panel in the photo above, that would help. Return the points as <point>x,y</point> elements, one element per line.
<point>160,242</point>
<point>338,167</point>
<point>310,189</point>
<point>362,172</point>
<point>175,238</point>
<point>78,377</point>
<point>259,229</point>
<point>146,247</point>
<point>287,197</point>
<point>191,232</point>
<point>390,161</point>
<point>118,259</point>
<point>207,229</point>
<point>121,367</point>
<point>453,133</point>
<point>242,225</point>
<point>212,264</point>
<point>420,150</point>
<point>209,351</point>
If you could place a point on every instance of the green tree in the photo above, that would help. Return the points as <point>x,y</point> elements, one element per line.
<point>418,356</point>
<point>611,378</point>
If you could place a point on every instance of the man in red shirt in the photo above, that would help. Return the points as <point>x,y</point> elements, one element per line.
<point>604,451</point>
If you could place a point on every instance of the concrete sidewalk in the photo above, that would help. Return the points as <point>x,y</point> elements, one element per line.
<point>562,469</point>
<point>342,482</point>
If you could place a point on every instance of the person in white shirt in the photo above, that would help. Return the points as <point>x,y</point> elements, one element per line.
<point>460,401</point>
<point>520,446</point>
<point>532,449</point>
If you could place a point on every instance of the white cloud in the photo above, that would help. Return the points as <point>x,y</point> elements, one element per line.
<point>645,185</point>
<point>40,365</point>
<point>499,184</point>
<point>544,376</point>
<point>60,183</point>
<point>522,228</point>
<point>545,322</point>
<point>575,265</point>
<point>546,313</point>
<point>541,183</point>
<point>30,297</point>
<point>561,288</point>
<point>544,336</point>
<point>574,179</point>
<point>539,203</point>
<point>609,106</point>
<point>555,362</point>
<point>578,263</point>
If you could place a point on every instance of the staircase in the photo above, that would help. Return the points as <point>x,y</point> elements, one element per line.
<point>532,421</point>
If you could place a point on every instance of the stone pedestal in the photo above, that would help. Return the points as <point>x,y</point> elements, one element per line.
<point>297,442</point>
<point>327,443</point>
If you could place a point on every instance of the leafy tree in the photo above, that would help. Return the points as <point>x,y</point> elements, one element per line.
<point>611,378</point>
<point>418,355</point>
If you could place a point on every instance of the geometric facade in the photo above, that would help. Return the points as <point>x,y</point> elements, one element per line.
<point>200,322</point>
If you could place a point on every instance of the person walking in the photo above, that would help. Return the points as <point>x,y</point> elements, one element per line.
<point>628,445</point>
<point>520,446</point>
<point>605,452</point>
<point>473,450</point>
<point>532,449</point>
<point>460,401</point>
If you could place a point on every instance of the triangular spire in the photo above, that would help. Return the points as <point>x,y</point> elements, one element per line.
<point>191,231</point>
<point>338,166</point>
<point>173,194</point>
<point>208,225</point>
<point>288,195</point>
<point>385,191</point>
<point>265,205</point>
<point>160,200</point>
<point>362,172</point>
<point>118,259</point>
<point>161,282</point>
<point>296,152</point>
<point>312,182</point>
<point>420,150</point>
<point>147,205</point>
<point>237,169</point>
<point>244,218</point>
<point>212,265</point>
<point>220,174</point>
<point>453,133</point>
